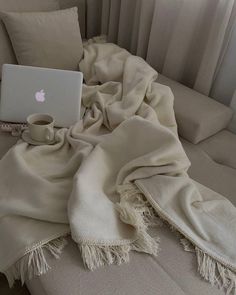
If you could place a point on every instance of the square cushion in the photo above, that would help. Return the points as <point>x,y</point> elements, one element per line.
<point>46,39</point>
<point>6,51</point>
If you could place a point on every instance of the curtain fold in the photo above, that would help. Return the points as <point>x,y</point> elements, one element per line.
<point>214,46</point>
<point>183,39</point>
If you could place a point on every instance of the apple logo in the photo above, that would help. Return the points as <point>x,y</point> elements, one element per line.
<point>40,95</point>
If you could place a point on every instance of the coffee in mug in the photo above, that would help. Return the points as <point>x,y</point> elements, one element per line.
<point>40,122</point>
<point>41,127</point>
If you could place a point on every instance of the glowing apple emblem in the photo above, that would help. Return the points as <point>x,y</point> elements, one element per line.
<point>40,96</point>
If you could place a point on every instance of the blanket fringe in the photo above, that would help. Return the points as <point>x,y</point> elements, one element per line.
<point>209,269</point>
<point>216,273</point>
<point>136,211</point>
<point>95,256</point>
<point>34,263</point>
<point>188,246</point>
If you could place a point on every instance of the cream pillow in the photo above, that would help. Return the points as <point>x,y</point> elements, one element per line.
<point>46,39</point>
<point>7,55</point>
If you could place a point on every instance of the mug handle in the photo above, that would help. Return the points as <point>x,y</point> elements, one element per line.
<point>49,132</point>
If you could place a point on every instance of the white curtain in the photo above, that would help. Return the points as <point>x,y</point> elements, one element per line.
<point>232,125</point>
<point>183,39</point>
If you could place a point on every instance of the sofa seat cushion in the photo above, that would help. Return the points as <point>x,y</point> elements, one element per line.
<point>221,148</point>
<point>197,115</point>
<point>173,272</point>
<point>205,170</point>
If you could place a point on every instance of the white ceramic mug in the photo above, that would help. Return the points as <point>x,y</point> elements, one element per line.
<point>41,127</point>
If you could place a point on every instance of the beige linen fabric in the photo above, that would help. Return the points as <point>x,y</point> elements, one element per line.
<point>6,51</point>
<point>46,39</point>
<point>108,177</point>
<point>155,274</point>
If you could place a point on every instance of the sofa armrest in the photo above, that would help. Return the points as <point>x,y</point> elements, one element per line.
<point>198,116</point>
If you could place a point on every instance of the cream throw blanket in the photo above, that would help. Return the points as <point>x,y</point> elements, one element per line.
<point>107,179</point>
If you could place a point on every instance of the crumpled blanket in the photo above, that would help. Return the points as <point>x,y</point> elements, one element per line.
<point>108,179</point>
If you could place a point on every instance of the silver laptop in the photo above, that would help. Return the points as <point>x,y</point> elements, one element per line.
<point>27,90</point>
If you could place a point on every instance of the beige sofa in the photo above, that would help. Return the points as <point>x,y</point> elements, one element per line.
<point>211,149</point>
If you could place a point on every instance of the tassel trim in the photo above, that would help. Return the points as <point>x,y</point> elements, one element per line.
<point>34,263</point>
<point>215,273</point>
<point>136,211</point>
<point>95,256</point>
<point>209,268</point>
<point>187,245</point>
